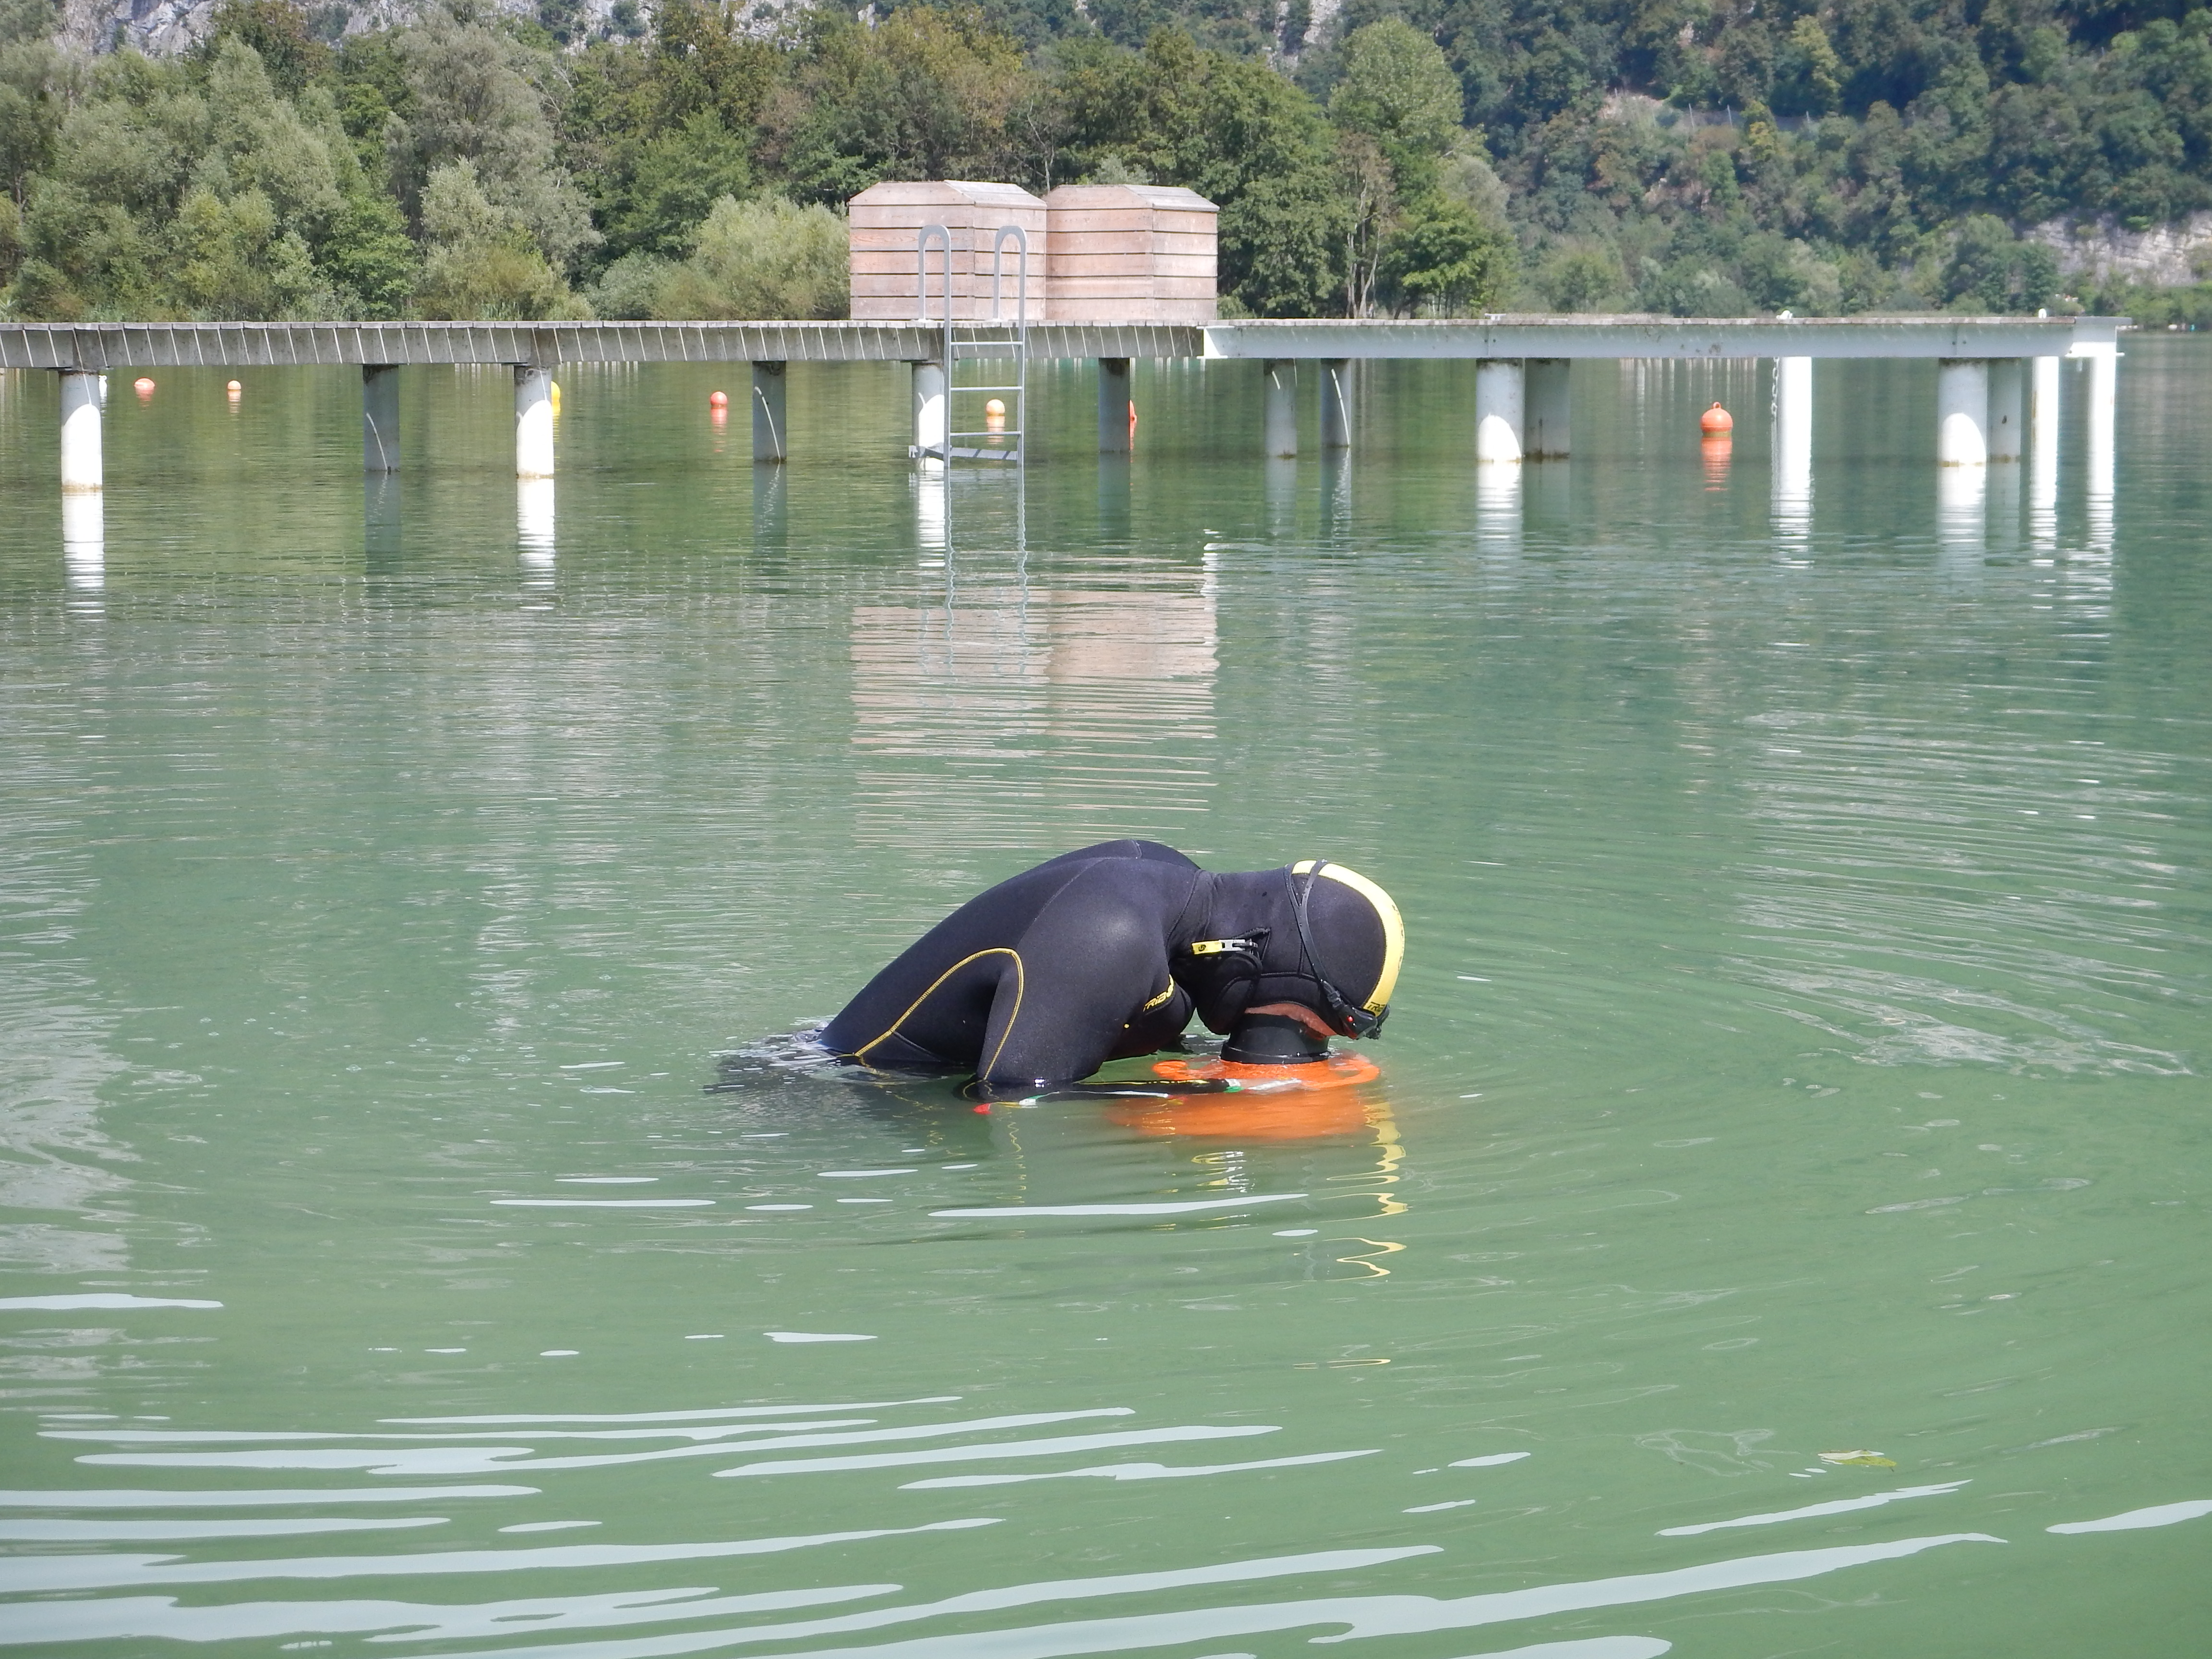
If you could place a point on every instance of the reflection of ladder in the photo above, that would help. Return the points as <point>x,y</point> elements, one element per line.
<point>973,432</point>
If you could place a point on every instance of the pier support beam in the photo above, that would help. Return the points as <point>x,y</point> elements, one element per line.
<point>1499,409</point>
<point>1113,405</point>
<point>81,402</point>
<point>379,417</point>
<point>2043,406</point>
<point>1545,434</point>
<point>767,412</point>
<point>1336,402</point>
<point>1962,411</point>
<point>1793,448</point>
<point>2007,405</point>
<point>1282,407</point>
<point>929,423</point>
<point>533,421</point>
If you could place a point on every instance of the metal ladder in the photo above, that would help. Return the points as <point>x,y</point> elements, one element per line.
<point>995,340</point>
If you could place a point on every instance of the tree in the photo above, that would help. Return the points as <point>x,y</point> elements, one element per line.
<point>1448,262</point>
<point>480,260</point>
<point>481,97</point>
<point>766,258</point>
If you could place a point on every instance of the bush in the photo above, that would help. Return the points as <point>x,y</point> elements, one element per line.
<point>761,259</point>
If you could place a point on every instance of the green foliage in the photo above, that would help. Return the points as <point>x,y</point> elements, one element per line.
<point>1448,262</point>
<point>768,259</point>
<point>480,259</point>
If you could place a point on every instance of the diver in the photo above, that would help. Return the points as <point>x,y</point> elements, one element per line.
<point>1106,952</point>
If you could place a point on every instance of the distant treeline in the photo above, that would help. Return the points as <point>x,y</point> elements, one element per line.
<point>1426,157</point>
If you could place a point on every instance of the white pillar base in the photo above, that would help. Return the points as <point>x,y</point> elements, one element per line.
<point>1962,411</point>
<point>767,412</point>
<point>1499,408</point>
<point>929,421</point>
<point>533,421</point>
<point>82,394</point>
<point>1545,433</point>
<point>1282,407</point>
<point>2008,407</point>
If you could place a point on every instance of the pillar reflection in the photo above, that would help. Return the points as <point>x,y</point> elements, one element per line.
<point>84,540</point>
<point>931,507</point>
<point>533,526</point>
<point>380,522</point>
<point>1497,509</point>
<point>1961,496</point>
<point>771,509</point>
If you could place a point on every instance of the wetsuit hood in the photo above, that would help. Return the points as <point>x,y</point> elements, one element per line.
<point>1312,934</point>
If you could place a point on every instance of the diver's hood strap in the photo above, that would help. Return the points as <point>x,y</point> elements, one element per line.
<point>1352,1022</point>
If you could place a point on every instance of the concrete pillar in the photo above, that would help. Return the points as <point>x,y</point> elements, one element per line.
<point>1793,447</point>
<point>81,403</point>
<point>1282,406</point>
<point>379,417</point>
<point>1545,431</point>
<point>2007,405</point>
<point>1962,411</point>
<point>2100,417</point>
<point>929,417</point>
<point>2043,408</point>
<point>1113,405</point>
<point>533,421</point>
<point>2100,421</point>
<point>767,412</point>
<point>1498,407</point>
<point>1335,403</point>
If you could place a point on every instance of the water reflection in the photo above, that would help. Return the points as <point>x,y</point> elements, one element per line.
<point>1081,682</point>
<point>84,539</point>
<point>1961,497</point>
<point>534,526</point>
<point>1497,526</point>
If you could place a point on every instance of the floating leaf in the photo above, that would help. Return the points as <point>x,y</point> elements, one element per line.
<point>1865,1460</point>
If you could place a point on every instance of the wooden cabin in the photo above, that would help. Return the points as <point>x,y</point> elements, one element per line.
<point>1129,253</point>
<point>885,220</point>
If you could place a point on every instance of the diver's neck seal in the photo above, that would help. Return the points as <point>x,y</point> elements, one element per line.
<point>1274,1040</point>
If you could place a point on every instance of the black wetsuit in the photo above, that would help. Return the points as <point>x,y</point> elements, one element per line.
<point>1045,977</point>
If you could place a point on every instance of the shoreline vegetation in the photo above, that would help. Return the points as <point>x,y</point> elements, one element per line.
<point>1411,158</point>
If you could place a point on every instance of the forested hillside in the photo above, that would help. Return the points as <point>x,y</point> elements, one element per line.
<point>1412,157</point>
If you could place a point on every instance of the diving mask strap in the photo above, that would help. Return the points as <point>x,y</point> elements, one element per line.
<point>1357,1022</point>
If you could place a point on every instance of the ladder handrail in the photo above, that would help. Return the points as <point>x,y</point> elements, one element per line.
<point>1022,278</point>
<point>921,242</point>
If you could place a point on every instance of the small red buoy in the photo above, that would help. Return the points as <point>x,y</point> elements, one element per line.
<point>718,400</point>
<point>144,387</point>
<point>1717,419</point>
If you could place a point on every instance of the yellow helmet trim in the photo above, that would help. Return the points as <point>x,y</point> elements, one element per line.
<point>1386,911</point>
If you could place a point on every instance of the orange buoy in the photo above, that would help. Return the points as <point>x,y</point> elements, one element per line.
<point>1716,419</point>
<point>1336,1071</point>
<point>718,400</point>
<point>144,387</point>
<point>995,407</point>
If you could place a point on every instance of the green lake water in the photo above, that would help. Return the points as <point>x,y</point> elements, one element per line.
<point>1800,1047</point>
